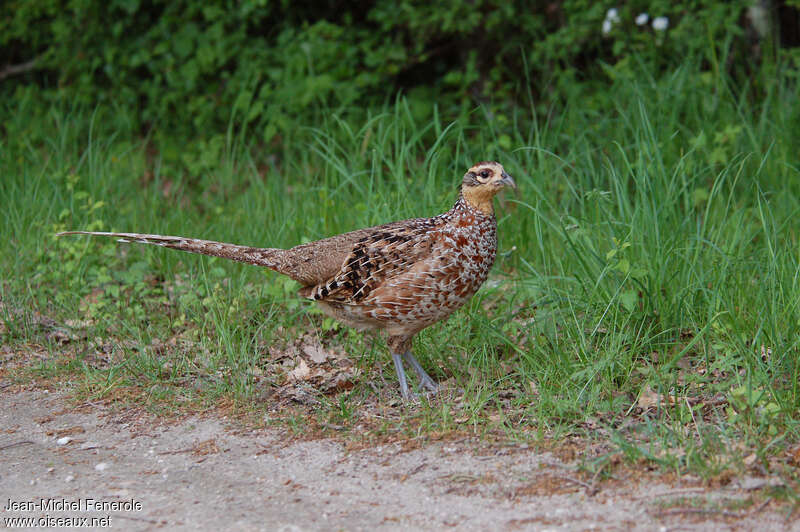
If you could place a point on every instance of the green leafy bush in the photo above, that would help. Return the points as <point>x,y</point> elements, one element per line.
<point>192,67</point>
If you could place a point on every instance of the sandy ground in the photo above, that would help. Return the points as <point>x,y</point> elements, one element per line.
<point>206,474</point>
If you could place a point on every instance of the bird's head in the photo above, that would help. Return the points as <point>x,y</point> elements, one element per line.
<point>482,182</point>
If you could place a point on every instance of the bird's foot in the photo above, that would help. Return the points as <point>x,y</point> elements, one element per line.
<point>425,380</point>
<point>401,377</point>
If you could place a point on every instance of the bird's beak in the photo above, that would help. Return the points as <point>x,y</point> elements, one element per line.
<point>507,181</point>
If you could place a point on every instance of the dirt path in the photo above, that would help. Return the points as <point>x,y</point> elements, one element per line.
<point>200,475</point>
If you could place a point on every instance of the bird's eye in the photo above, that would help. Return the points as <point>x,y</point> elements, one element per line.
<point>485,174</point>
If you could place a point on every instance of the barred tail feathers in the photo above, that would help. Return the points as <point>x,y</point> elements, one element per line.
<point>259,256</point>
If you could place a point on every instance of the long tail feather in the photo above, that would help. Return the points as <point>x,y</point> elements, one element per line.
<point>259,256</point>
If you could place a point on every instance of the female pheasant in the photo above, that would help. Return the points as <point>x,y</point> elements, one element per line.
<point>399,277</point>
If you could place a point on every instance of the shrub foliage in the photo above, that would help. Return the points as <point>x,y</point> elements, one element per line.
<point>199,65</point>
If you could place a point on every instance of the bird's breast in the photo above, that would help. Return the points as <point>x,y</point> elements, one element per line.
<point>469,249</point>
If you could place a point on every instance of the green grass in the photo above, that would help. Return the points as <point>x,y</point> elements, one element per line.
<point>651,252</point>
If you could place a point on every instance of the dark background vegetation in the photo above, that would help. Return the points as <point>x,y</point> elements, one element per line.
<point>193,68</point>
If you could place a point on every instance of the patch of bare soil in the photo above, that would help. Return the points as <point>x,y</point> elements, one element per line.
<point>207,473</point>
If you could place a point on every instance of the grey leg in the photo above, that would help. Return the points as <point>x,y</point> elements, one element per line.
<point>401,375</point>
<point>424,379</point>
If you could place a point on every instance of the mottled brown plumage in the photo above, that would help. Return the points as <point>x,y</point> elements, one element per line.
<point>399,277</point>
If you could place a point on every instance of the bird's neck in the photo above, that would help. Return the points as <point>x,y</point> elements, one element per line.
<point>478,198</point>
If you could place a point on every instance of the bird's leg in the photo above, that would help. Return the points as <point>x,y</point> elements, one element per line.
<point>401,375</point>
<point>425,380</point>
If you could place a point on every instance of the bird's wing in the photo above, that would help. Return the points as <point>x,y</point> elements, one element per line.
<point>381,253</point>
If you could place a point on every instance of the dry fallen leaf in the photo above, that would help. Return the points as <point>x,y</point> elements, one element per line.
<point>205,447</point>
<point>315,352</point>
<point>300,372</point>
<point>338,383</point>
<point>794,455</point>
<point>78,324</point>
<point>648,398</point>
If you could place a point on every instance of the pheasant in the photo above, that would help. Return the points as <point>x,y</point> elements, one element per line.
<point>400,277</point>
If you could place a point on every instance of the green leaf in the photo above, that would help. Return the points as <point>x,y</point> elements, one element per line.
<point>629,299</point>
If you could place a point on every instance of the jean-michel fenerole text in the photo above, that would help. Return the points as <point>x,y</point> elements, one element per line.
<point>76,505</point>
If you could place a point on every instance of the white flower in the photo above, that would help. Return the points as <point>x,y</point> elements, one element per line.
<point>606,27</point>
<point>660,23</point>
<point>612,15</point>
<point>642,19</point>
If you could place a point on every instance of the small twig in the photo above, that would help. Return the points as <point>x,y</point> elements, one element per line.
<point>788,517</point>
<point>151,521</point>
<point>762,506</point>
<point>597,474</point>
<point>594,489</point>
<point>178,451</point>
<point>380,374</point>
<point>699,436</point>
<point>374,388</point>
<point>678,491</point>
<point>576,481</point>
<point>417,469</point>
<point>16,444</point>
<point>12,70</point>
<point>702,511</point>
